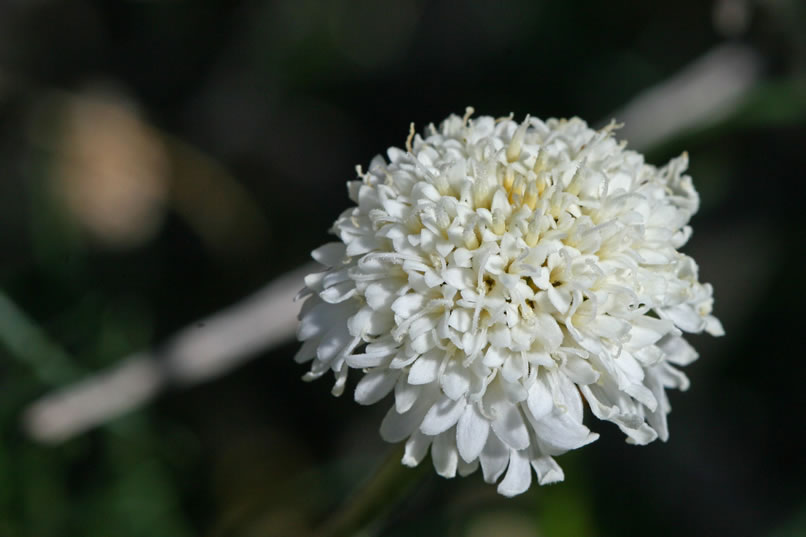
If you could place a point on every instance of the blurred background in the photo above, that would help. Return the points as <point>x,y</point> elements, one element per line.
<point>161,161</point>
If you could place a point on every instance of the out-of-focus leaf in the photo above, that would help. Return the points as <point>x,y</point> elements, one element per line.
<point>29,344</point>
<point>793,527</point>
<point>565,510</point>
<point>780,102</point>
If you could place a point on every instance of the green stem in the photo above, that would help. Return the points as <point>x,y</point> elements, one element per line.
<point>390,483</point>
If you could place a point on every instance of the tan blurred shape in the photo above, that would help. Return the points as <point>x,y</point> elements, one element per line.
<point>213,203</point>
<point>732,17</point>
<point>110,168</point>
<point>116,175</point>
<point>203,350</point>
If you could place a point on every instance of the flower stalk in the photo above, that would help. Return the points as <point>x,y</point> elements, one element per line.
<point>375,499</point>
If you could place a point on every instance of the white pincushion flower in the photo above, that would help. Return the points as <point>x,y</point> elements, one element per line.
<point>494,275</point>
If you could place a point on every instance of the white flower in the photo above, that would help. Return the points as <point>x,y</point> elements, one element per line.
<point>495,275</point>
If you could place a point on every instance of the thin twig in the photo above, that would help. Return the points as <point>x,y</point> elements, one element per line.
<point>203,350</point>
<point>705,91</point>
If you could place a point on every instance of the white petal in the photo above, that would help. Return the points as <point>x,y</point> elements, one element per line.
<point>657,419</point>
<point>336,340</point>
<point>460,319</point>
<point>646,330</point>
<point>493,458</point>
<point>560,299</point>
<point>442,416</point>
<point>495,356</point>
<point>519,475</point>
<point>307,351</point>
<point>409,304</point>
<point>341,381</point>
<point>313,282</point>
<point>559,432</point>
<point>643,395</point>
<point>684,317</point>
<point>333,277</point>
<point>416,449</point>
<point>467,468</point>
<point>630,367</point>
<point>539,358</point>
<point>548,471</point>
<point>398,425</point>
<point>459,278</point>
<point>641,435</point>
<point>673,377</point>
<point>360,244</point>
<point>375,386</point>
<point>455,381</point>
<point>402,359</point>
<point>330,254</point>
<point>649,355</point>
<point>509,426</point>
<point>499,336</point>
<point>431,278</point>
<point>678,351</point>
<point>338,292</point>
<point>444,247</point>
<point>630,423</point>
<point>713,326</point>
<point>318,368</point>
<point>514,367</point>
<point>394,208</point>
<point>549,330</point>
<point>385,344</point>
<point>425,368</point>
<point>380,295</point>
<point>318,320</point>
<point>370,322</point>
<point>423,344</point>
<point>471,433</point>
<point>405,394</point>
<point>539,400</point>
<point>566,394</point>
<point>599,404</point>
<point>462,257</point>
<point>580,371</point>
<point>368,359</point>
<point>422,325</point>
<point>444,454</point>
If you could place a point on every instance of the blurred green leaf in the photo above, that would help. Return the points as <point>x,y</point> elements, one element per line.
<point>29,344</point>
<point>793,527</point>
<point>778,102</point>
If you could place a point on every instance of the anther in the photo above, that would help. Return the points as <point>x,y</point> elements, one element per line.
<point>530,199</point>
<point>509,178</point>
<point>540,161</point>
<point>515,145</point>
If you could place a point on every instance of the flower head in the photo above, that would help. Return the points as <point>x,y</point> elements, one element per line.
<point>495,276</point>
